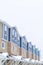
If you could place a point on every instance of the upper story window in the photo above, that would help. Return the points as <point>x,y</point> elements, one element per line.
<point>30,45</point>
<point>13,32</point>
<point>5,27</point>
<point>18,38</point>
<point>33,49</point>
<point>38,53</point>
<point>5,33</point>
<point>24,40</point>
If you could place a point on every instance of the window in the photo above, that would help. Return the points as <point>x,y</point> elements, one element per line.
<point>5,32</point>
<point>3,44</point>
<point>13,32</point>
<point>18,37</point>
<point>5,37</point>
<point>5,28</point>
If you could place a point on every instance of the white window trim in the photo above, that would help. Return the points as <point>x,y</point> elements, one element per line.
<point>4,45</point>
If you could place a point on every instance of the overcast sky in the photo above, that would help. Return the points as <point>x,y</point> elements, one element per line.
<point>27,16</point>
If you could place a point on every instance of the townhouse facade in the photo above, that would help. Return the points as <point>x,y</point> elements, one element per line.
<point>15,44</point>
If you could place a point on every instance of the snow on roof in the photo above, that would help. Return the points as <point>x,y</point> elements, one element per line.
<point>3,22</point>
<point>32,60</point>
<point>3,55</point>
<point>17,57</point>
<point>27,59</point>
<point>36,61</point>
<point>40,62</point>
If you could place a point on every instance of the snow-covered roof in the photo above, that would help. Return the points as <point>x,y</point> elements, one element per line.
<point>27,59</point>
<point>3,55</point>
<point>36,61</point>
<point>20,59</point>
<point>3,22</point>
<point>15,58</point>
<point>32,61</point>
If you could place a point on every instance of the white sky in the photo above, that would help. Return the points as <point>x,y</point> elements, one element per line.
<point>27,16</point>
